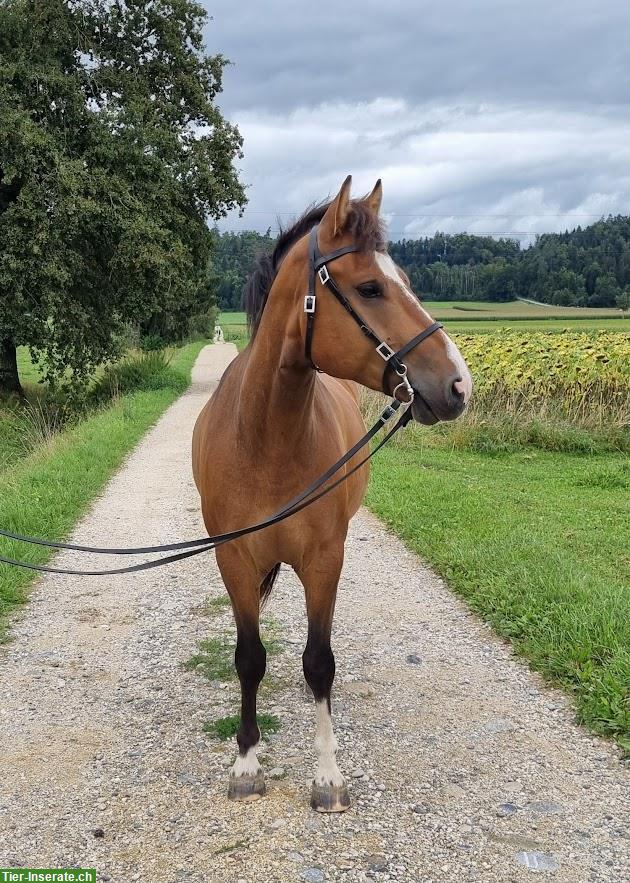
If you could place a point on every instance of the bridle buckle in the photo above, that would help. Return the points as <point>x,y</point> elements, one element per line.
<point>384,351</point>
<point>404,383</point>
<point>388,413</point>
<point>323,274</point>
<point>309,303</point>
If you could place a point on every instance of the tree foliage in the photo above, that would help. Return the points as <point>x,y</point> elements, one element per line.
<point>586,267</point>
<point>233,257</point>
<point>113,155</point>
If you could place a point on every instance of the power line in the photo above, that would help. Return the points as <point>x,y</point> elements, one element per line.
<point>411,234</point>
<point>469,233</point>
<point>423,214</point>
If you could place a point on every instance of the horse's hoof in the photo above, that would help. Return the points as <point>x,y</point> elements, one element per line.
<point>247,788</point>
<point>330,798</point>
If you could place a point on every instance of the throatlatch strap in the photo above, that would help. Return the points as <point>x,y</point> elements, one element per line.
<point>315,262</point>
<point>310,300</point>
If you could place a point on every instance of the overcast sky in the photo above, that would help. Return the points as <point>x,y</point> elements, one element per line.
<point>489,116</point>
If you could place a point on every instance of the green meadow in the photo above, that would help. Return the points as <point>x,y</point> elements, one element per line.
<point>527,517</point>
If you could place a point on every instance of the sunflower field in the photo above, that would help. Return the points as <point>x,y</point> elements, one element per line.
<point>579,377</point>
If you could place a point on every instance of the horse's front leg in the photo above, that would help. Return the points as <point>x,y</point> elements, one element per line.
<point>320,578</point>
<point>246,778</point>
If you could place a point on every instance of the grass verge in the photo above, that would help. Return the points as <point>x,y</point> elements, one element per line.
<point>536,542</point>
<point>48,490</point>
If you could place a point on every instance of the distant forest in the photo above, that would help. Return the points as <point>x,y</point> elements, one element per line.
<point>588,266</point>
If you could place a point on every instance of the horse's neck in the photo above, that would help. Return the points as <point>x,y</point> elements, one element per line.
<point>277,386</point>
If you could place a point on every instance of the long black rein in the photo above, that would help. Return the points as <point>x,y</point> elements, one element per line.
<point>188,548</point>
<point>206,544</point>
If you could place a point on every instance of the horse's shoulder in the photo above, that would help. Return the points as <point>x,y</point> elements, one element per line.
<point>341,388</point>
<point>340,404</point>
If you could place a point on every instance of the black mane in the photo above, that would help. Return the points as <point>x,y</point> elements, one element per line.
<point>364,226</point>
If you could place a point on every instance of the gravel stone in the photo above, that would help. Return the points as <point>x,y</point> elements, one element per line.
<point>506,809</point>
<point>120,745</point>
<point>421,808</point>
<point>377,863</point>
<point>544,807</point>
<point>498,725</point>
<point>454,792</point>
<point>537,861</point>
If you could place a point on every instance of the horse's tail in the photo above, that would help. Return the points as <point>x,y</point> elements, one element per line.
<point>267,584</point>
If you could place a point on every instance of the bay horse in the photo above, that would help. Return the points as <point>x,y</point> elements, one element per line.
<point>285,409</point>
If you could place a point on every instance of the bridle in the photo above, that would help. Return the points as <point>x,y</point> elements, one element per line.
<point>318,269</point>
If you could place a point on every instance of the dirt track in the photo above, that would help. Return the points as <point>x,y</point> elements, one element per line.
<point>464,767</point>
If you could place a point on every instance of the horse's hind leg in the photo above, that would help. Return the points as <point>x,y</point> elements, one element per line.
<point>246,778</point>
<point>320,578</point>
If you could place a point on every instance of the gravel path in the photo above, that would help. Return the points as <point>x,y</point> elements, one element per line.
<point>463,765</point>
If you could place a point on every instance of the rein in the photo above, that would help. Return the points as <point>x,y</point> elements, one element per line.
<point>188,548</point>
<point>206,544</point>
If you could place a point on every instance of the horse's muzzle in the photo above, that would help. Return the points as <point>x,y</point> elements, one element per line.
<point>421,411</point>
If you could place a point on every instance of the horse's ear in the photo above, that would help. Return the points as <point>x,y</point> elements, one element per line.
<point>336,215</point>
<point>375,198</point>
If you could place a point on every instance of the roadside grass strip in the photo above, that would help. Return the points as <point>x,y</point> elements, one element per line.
<point>47,491</point>
<point>537,543</point>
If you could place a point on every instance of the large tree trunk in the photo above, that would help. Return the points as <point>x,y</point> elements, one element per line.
<point>9,377</point>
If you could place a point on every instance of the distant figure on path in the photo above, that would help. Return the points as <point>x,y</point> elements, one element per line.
<point>218,334</point>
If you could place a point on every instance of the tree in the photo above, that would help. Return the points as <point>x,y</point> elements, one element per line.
<point>562,297</point>
<point>606,291</point>
<point>233,256</point>
<point>561,268</point>
<point>113,156</point>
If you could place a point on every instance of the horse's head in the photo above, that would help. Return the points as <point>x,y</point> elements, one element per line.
<point>377,294</point>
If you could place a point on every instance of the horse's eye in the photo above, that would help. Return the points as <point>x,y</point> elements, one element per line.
<point>369,289</point>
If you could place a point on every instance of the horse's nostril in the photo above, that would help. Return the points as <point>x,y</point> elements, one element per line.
<point>459,389</point>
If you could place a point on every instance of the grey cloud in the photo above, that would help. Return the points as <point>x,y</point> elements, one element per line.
<point>289,54</point>
<point>491,116</point>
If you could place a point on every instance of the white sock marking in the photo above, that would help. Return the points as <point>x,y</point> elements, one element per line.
<point>248,765</point>
<point>327,773</point>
